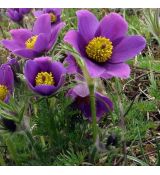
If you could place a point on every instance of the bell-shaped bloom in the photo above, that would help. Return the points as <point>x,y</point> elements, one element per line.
<point>103,45</point>
<point>55,14</point>
<point>13,63</point>
<point>81,101</point>
<point>32,44</point>
<point>44,76</point>
<point>6,82</point>
<point>17,14</point>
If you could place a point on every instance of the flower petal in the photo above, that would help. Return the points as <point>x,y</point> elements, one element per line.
<point>21,35</point>
<point>38,13</point>
<point>87,24</point>
<point>75,39</point>
<point>81,90</point>
<point>95,70</point>
<point>120,70</point>
<point>31,70</point>
<point>42,25</point>
<point>44,64</point>
<point>26,53</point>
<point>56,11</point>
<point>112,26</point>
<point>57,70</point>
<point>103,105</point>
<point>41,43</point>
<point>45,90</point>
<point>6,76</point>
<point>54,34</point>
<point>128,48</point>
<point>11,44</point>
<point>72,66</point>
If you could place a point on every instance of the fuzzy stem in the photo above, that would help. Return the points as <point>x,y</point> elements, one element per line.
<point>93,110</point>
<point>90,83</point>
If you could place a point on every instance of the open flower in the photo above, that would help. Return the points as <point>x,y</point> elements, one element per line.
<point>104,46</point>
<point>55,14</point>
<point>31,44</point>
<point>44,76</point>
<point>17,14</point>
<point>81,101</point>
<point>6,82</point>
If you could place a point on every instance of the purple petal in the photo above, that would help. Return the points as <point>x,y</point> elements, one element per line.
<point>75,39</point>
<point>103,105</point>
<point>44,64</point>
<point>26,53</point>
<point>87,24</point>
<point>72,66</point>
<point>120,70</point>
<point>14,15</point>
<point>6,76</point>
<point>128,48</point>
<point>31,70</point>
<point>24,10</point>
<point>57,70</point>
<point>56,11</point>
<point>95,70</point>
<point>54,34</point>
<point>42,25</point>
<point>11,45</point>
<point>45,90</point>
<point>112,26</point>
<point>81,100</point>
<point>81,90</point>
<point>38,13</point>
<point>41,43</point>
<point>21,35</point>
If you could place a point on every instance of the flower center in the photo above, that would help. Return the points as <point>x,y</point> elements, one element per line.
<point>44,78</point>
<point>99,49</point>
<point>31,42</point>
<point>3,92</point>
<point>53,17</point>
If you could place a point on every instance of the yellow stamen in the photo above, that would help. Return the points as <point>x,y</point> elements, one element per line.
<point>99,49</point>
<point>3,92</point>
<point>44,78</point>
<point>31,42</point>
<point>53,17</point>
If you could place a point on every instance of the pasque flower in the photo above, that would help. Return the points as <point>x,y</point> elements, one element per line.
<point>17,14</point>
<point>104,46</point>
<point>81,101</point>
<point>13,63</point>
<point>6,82</point>
<point>44,76</point>
<point>31,44</point>
<point>55,14</point>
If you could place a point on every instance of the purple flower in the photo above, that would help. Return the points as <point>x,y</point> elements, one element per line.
<point>13,63</point>
<point>81,101</point>
<point>24,10</point>
<point>55,14</point>
<point>104,46</point>
<point>44,76</point>
<point>31,44</point>
<point>6,82</point>
<point>16,14</point>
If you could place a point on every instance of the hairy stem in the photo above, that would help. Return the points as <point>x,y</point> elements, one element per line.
<point>93,110</point>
